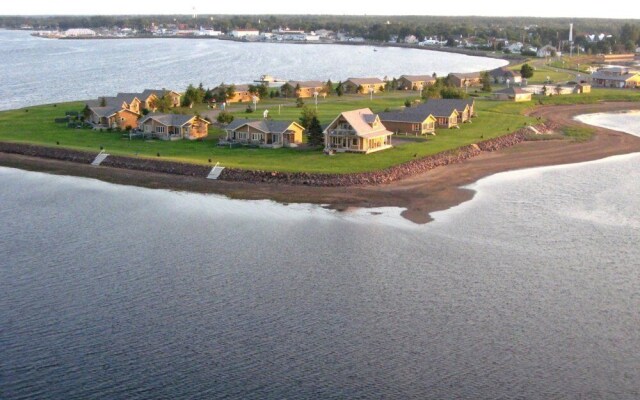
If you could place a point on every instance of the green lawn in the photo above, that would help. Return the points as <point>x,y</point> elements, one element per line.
<point>494,119</point>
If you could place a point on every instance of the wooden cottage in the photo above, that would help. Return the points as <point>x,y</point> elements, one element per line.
<point>464,107</point>
<point>174,126</point>
<point>465,80</point>
<point>411,120</point>
<point>240,93</point>
<point>264,133</point>
<point>415,82</point>
<point>445,114</point>
<point>359,131</point>
<point>363,85</point>
<point>305,89</point>
<point>512,94</point>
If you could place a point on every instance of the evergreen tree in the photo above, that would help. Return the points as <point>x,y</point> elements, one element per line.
<point>286,90</point>
<point>225,117</point>
<point>526,71</point>
<point>486,81</point>
<point>328,87</point>
<point>339,89</point>
<point>314,132</point>
<point>306,116</point>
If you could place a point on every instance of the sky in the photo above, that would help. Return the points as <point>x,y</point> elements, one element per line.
<point>539,8</point>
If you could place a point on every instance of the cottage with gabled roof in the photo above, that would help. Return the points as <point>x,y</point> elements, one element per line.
<point>465,80</point>
<point>446,115</point>
<point>616,78</point>
<point>358,131</point>
<point>501,75</point>
<point>174,126</point>
<point>411,120</point>
<point>305,89</point>
<point>149,96</point>
<point>264,133</point>
<point>464,107</point>
<point>512,94</point>
<point>363,85</point>
<point>415,82</point>
<point>113,117</point>
<point>241,93</point>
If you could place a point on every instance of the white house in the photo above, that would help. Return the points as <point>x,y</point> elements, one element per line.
<point>241,33</point>
<point>548,51</point>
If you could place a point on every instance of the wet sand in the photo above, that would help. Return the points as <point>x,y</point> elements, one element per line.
<point>436,190</point>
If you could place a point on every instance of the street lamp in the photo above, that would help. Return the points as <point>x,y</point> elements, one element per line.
<point>255,102</point>
<point>371,94</point>
<point>315,96</point>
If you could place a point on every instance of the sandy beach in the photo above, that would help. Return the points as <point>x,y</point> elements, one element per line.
<point>421,194</point>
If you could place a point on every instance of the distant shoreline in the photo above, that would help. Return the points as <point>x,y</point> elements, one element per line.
<point>510,58</point>
<point>438,189</point>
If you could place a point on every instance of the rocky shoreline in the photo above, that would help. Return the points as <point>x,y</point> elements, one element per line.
<point>385,176</point>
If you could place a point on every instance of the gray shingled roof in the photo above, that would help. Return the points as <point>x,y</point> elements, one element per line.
<point>264,125</point>
<point>437,108</point>
<point>500,72</point>
<point>313,84</point>
<point>168,119</point>
<point>411,114</point>
<point>511,90</point>
<point>127,97</point>
<point>148,92</point>
<point>365,81</point>
<point>104,111</point>
<point>457,104</point>
<point>604,75</point>
<point>469,75</point>
<point>418,78</point>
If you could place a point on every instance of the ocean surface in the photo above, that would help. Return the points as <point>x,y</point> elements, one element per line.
<point>36,70</point>
<point>530,290</point>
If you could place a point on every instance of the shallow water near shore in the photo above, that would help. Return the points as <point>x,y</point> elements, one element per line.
<point>529,290</point>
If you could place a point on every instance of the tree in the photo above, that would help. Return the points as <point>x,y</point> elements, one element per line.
<point>299,102</point>
<point>407,103</point>
<point>314,132</point>
<point>86,112</point>
<point>306,116</point>
<point>339,90</point>
<point>359,89</point>
<point>297,89</point>
<point>286,90</point>
<point>544,90</point>
<point>162,104</point>
<point>103,102</point>
<point>225,117</point>
<point>328,87</point>
<point>558,89</point>
<point>526,71</point>
<point>452,93</point>
<point>486,81</point>
<point>263,90</point>
<point>230,91</point>
<point>192,96</point>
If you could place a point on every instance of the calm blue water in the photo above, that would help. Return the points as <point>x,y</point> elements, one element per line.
<point>528,291</point>
<point>35,70</point>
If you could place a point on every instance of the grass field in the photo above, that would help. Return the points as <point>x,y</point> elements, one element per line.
<point>36,125</point>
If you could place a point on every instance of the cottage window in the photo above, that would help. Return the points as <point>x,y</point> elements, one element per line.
<point>159,129</point>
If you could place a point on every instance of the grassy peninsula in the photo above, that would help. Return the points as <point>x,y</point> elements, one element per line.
<point>35,125</point>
